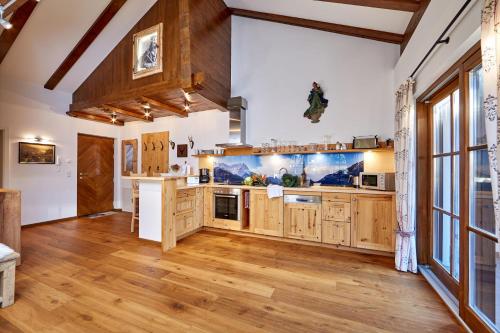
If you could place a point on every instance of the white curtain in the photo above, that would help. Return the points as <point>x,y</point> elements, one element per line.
<point>406,252</point>
<point>490,46</point>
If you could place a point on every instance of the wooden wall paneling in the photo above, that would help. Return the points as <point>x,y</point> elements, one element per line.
<point>210,48</point>
<point>114,75</point>
<point>20,16</point>
<point>10,220</point>
<point>155,153</point>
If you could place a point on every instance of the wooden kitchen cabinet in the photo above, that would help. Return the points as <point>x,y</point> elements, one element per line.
<point>208,206</point>
<point>373,222</point>
<point>302,221</point>
<point>266,215</point>
<point>336,211</point>
<point>337,233</point>
<point>186,214</point>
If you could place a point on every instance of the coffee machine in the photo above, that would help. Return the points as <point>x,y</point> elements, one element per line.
<point>204,176</point>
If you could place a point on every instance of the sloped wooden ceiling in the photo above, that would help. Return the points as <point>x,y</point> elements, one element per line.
<point>196,67</point>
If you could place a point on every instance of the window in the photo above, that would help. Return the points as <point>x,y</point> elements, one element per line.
<point>445,108</point>
<point>483,271</point>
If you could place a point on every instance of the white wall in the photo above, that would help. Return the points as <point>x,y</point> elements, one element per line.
<point>48,191</point>
<point>463,36</point>
<point>274,65</point>
<point>207,129</point>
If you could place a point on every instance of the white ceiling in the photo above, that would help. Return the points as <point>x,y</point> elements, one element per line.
<point>56,26</point>
<point>358,16</point>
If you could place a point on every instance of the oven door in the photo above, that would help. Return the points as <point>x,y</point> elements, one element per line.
<point>226,206</point>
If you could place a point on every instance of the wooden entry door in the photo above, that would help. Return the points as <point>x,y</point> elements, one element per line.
<point>95,174</point>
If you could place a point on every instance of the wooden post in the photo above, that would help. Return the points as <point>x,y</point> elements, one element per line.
<point>10,220</point>
<point>169,195</point>
<point>8,279</point>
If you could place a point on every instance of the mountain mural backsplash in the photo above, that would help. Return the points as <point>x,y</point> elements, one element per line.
<point>335,169</point>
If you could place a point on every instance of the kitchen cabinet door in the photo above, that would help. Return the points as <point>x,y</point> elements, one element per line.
<point>337,211</point>
<point>374,222</point>
<point>302,221</point>
<point>266,215</point>
<point>199,205</point>
<point>208,218</point>
<point>184,223</point>
<point>338,233</point>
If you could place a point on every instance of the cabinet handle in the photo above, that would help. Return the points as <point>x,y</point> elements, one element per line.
<point>145,147</point>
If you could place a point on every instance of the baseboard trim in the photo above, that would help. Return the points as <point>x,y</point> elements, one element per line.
<point>449,300</point>
<point>48,222</point>
<point>301,242</point>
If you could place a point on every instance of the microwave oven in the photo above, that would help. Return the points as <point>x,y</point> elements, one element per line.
<point>377,181</point>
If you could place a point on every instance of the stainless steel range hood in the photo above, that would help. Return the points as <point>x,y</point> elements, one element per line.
<point>237,107</point>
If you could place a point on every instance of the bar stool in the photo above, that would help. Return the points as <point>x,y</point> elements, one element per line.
<point>135,199</point>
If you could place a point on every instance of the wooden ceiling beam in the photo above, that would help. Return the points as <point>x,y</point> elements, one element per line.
<point>414,21</point>
<point>401,5</point>
<point>166,107</point>
<point>18,20</point>
<point>381,36</point>
<point>14,7</point>
<point>92,117</point>
<point>87,39</point>
<point>128,113</point>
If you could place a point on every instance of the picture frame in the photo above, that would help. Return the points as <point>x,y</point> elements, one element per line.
<point>36,153</point>
<point>182,150</point>
<point>148,52</point>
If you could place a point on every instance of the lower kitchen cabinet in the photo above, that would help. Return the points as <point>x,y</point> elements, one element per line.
<point>373,222</point>
<point>338,233</point>
<point>302,221</point>
<point>208,218</point>
<point>184,223</point>
<point>266,215</point>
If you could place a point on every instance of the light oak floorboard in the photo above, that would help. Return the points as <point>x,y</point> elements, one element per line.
<point>93,275</point>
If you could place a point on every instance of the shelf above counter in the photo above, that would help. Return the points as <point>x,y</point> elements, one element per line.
<point>247,151</point>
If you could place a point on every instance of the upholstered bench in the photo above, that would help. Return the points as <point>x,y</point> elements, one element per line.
<point>8,279</point>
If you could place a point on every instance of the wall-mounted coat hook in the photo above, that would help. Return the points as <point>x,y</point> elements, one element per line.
<point>172,144</point>
<point>191,142</point>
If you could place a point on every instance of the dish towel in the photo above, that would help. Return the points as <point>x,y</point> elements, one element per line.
<point>274,191</point>
<point>5,251</point>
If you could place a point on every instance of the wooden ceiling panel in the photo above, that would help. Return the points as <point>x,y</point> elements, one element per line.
<point>94,117</point>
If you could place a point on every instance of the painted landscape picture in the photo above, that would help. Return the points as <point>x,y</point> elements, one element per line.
<point>36,153</point>
<point>336,169</point>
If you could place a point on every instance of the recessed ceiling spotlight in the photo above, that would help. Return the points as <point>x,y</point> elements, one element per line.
<point>3,22</point>
<point>146,106</point>
<point>113,118</point>
<point>187,105</point>
<point>147,113</point>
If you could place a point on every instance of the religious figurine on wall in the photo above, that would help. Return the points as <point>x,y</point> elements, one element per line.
<point>317,103</point>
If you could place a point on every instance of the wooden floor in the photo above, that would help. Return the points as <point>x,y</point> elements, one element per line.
<point>92,275</point>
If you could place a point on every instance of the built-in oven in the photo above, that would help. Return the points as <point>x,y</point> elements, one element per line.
<point>227,204</point>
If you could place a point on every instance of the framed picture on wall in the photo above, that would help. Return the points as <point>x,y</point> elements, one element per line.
<point>182,150</point>
<point>148,52</point>
<point>36,153</point>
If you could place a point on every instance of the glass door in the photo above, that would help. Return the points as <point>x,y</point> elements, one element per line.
<point>483,250</point>
<point>445,202</point>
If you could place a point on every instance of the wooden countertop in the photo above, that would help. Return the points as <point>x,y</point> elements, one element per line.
<point>159,178</point>
<point>324,189</point>
<point>7,190</point>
